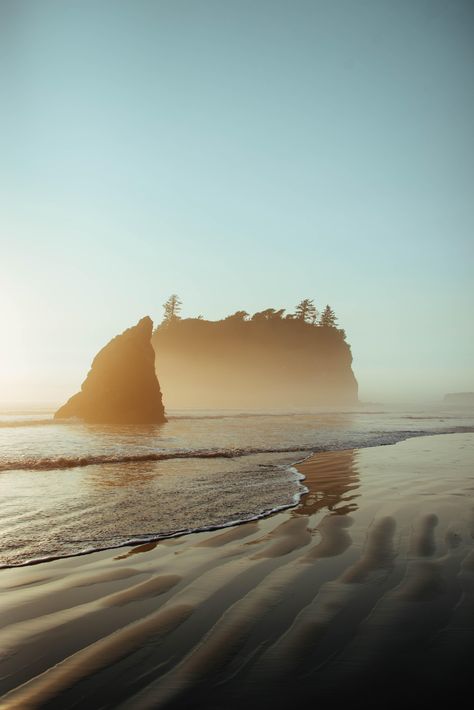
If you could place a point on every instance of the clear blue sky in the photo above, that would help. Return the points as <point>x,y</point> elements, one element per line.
<point>243,154</point>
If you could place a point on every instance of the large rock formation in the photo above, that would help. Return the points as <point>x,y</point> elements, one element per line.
<point>121,387</point>
<point>274,363</point>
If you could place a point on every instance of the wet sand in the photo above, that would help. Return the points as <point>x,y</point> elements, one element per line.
<point>363,593</point>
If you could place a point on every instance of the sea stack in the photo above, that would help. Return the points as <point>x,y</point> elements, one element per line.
<point>463,398</point>
<point>257,363</point>
<point>121,387</point>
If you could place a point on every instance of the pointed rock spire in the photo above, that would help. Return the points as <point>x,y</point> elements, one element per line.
<point>121,387</point>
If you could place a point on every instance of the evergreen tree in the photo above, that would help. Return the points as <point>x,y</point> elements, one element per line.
<point>172,309</point>
<point>306,311</point>
<point>328,318</point>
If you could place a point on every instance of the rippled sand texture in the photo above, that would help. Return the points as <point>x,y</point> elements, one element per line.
<point>365,592</point>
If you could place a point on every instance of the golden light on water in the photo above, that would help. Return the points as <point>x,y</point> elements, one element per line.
<point>14,349</point>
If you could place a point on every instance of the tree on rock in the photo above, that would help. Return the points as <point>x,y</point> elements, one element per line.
<point>268,314</point>
<point>278,315</point>
<point>328,318</point>
<point>238,316</point>
<point>172,309</point>
<point>306,311</point>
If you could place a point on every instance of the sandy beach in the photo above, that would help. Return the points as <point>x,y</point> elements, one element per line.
<point>366,587</point>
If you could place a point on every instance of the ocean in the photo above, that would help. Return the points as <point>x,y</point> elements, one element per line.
<point>68,488</point>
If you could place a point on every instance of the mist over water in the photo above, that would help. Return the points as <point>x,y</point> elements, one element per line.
<point>67,488</point>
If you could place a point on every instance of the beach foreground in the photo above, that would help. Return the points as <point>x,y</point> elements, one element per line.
<point>364,592</point>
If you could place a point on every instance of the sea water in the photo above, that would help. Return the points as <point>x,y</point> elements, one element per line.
<point>68,488</point>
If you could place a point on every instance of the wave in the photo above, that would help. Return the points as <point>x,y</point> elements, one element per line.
<point>27,422</point>
<point>198,415</point>
<point>180,532</point>
<point>42,464</point>
<point>13,423</point>
<point>377,438</point>
<point>290,413</point>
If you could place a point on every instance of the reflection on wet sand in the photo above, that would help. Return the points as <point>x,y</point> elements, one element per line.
<point>332,480</point>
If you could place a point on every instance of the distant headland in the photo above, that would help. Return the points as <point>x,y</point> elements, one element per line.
<point>465,398</point>
<point>266,360</point>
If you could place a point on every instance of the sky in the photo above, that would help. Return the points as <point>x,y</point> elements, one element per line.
<point>243,154</point>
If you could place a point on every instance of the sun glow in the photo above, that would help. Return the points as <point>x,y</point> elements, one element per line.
<point>14,364</point>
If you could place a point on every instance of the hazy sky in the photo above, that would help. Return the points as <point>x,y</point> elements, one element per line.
<point>243,154</point>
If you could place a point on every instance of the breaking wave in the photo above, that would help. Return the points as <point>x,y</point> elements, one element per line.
<point>374,438</point>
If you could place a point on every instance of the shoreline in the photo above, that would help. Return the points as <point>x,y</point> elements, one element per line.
<point>376,559</point>
<point>298,497</point>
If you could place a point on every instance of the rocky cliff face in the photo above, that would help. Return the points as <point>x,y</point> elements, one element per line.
<point>278,364</point>
<point>121,387</point>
